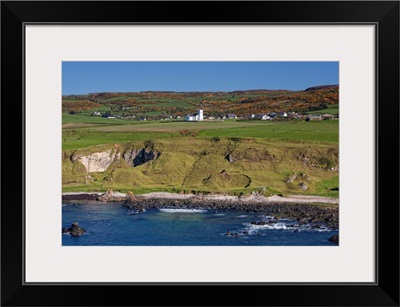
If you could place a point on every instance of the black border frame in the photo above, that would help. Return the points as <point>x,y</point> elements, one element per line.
<point>383,14</point>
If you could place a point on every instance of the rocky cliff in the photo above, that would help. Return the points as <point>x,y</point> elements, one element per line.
<point>99,161</point>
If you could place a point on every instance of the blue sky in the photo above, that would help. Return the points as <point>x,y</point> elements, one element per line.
<point>93,77</point>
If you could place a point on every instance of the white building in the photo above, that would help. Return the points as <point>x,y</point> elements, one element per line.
<point>195,117</point>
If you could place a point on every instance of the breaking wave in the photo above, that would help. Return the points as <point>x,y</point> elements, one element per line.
<point>182,210</point>
<point>251,228</point>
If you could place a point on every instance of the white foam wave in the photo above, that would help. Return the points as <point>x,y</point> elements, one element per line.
<point>220,214</point>
<point>242,216</point>
<point>182,210</point>
<point>252,228</point>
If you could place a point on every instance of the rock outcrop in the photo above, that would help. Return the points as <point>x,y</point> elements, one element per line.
<point>74,230</point>
<point>101,160</point>
<point>97,161</point>
<point>334,239</point>
<point>250,155</point>
<point>303,186</point>
<point>139,156</point>
<point>110,196</point>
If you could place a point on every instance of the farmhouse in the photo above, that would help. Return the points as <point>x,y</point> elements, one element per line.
<point>231,116</point>
<point>292,115</point>
<point>106,115</point>
<point>315,117</point>
<point>327,116</point>
<point>195,117</point>
<point>260,116</point>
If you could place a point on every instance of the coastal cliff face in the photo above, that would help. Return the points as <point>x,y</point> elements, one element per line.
<point>97,161</point>
<point>101,160</point>
<point>194,164</point>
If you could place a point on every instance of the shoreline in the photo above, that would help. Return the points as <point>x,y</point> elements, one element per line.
<point>306,209</point>
<point>111,196</point>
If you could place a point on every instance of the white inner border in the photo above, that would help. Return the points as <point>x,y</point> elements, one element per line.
<point>48,261</point>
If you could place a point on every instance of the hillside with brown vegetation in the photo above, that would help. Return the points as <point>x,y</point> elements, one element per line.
<point>156,104</point>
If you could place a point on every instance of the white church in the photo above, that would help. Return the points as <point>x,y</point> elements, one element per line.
<point>195,117</point>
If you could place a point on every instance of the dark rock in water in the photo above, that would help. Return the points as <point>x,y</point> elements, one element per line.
<point>75,230</point>
<point>228,233</point>
<point>334,239</point>
<point>301,220</point>
<point>253,223</point>
<point>296,230</point>
<point>261,223</point>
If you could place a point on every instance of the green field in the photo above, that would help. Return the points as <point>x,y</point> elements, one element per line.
<point>321,131</point>
<point>109,131</point>
<point>84,118</point>
<point>332,111</point>
<point>175,126</point>
<point>116,98</point>
<point>82,138</point>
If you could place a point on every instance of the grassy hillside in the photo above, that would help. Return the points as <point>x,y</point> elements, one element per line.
<point>282,156</point>
<point>231,165</point>
<point>159,105</point>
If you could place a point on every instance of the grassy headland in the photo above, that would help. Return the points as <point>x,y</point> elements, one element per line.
<point>200,160</point>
